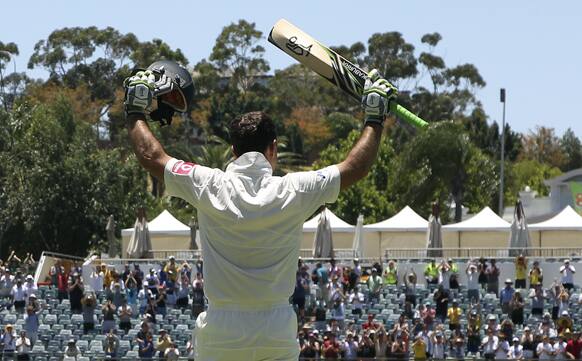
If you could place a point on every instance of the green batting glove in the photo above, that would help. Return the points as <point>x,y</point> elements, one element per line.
<point>139,92</point>
<point>378,92</point>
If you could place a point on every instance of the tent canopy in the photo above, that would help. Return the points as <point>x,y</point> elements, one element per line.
<point>486,220</point>
<point>566,220</point>
<point>164,223</point>
<point>336,223</point>
<point>407,220</point>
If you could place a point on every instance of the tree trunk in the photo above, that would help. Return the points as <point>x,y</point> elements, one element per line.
<point>458,197</point>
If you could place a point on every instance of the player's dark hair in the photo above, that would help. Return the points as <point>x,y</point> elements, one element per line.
<point>251,132</point>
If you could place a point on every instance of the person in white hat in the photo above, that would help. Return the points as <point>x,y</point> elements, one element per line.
<point>516,350</point>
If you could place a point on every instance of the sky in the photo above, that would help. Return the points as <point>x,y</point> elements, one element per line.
<point>532,48</point>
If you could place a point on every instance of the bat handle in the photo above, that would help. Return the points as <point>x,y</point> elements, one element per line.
<point>406,115</point>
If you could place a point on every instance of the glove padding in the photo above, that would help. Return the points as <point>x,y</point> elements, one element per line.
<point>142,88</point>
<point>376,98</point>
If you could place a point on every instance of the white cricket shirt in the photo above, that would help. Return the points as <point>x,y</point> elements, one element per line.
<point>250,225</point>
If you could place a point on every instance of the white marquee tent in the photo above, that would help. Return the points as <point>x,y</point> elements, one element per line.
<point>166,233</point>
<point>406,229</point>
<point>342,232</point>
<point>562,230</point>
<point>485,229</point>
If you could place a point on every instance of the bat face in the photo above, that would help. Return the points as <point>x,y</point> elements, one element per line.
<point>318,58</point>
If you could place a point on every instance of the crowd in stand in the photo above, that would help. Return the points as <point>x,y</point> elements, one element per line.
<point>344,311</point>
<point>340,312</point>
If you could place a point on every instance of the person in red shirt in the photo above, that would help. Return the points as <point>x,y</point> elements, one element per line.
<point>62,283</point>
<point>370,324</point>
<point>331,348</point>
<point>573,346</point>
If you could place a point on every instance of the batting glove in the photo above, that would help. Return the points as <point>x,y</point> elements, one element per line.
<point>142,88</point>
<point>378,92</point>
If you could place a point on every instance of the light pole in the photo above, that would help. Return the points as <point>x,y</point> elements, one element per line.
<point>502,165</point>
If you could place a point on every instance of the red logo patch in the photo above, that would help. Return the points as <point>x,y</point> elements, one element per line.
<point>183,168</point>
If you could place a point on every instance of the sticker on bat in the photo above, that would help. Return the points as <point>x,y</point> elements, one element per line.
<point>298,49</point>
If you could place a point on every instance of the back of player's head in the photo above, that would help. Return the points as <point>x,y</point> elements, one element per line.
<point>251,132</point>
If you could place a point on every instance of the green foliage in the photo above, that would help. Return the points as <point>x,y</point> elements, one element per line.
<point>442,164</point>
<point>370,196</point>
<point>544,146</point>
<point>528,173</point>
<point>572,149</point>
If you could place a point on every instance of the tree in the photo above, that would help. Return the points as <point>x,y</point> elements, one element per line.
<point>441,163</point>
<point>238,54</point>
<point>572,150</point>
<point>371,195</point>
<point>543,146</point>
<point>528,173</point>
<point>392,56</point>
<point>7,51</point>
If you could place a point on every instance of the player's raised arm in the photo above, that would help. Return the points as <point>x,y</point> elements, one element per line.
<point>376,103</point>
<point>171,86</point>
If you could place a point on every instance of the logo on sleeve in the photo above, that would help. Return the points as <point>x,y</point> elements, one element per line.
<point>320,175</point>
<point>183,168</point>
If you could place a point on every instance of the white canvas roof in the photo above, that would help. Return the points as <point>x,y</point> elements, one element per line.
<point>566,220</point>
<point>164,223</point>
<point>337,224</point>
<point>407,220</point>
<point>486,220</point>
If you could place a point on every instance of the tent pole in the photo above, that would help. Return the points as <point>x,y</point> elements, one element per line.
<point>459,246</point>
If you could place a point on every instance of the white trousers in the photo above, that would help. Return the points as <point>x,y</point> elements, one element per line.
<point>222,334</point>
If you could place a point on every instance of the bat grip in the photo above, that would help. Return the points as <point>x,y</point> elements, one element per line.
<point>406,115</point>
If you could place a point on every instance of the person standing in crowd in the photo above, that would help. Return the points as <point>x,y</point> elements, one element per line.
<point>492,273</point>
<point>8,341</point>
<point>505,296</point>
<point>536,275</point>
<point>454,314</point>
<point>375,285</point>
<point>31,323</point>
<point>146,349</point>
<point>454,277</point>
<point>490,345</point>
<point>124,312</point>
<point>545,350</point>
<point>472,282</point>
<point>431,273</point>
<point>439,348</point>
<point>391,274</point>
<point>520,271</point>
<point>76,290</point>
<point>163,343</point>
<point>72,352</point>
<point>567,275</point>
<point>18,296</point>
<point>89,304</point>
<point>310,349</point>
<point>419,347</point>
<point>96,279</point>
<point>574,345</point>
<point>482,268</point>
<point>441,299</point>
<point>198,297</point>
<point>23,347</point>
<point>516,350</point>
<point>538,296</point>
<point>108,310</point>
<point>555,298</point>
<point>528,343</point>
<point>516,306</point>
<point>138,275</point>
<point>356,299</point>
<point>111,344</point>
<point>445,275</point>
<point>183,291</point>
<point>410,287</point>
<point>29,286</point>
<point>299,293</point>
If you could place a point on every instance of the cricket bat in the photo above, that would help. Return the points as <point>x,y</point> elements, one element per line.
<point>330,65</point>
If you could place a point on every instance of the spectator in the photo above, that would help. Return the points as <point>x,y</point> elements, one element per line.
<point>410,287</point>
<point>506,296</point>
<point>356,299</point>
<point>375,285</point>
<point>454,314</point>
<point>428,315</point>
<point>53,272</point>
<point>516,305</point>
<point>472,282</point>
<point>143,331</point>
<point>144,295</point>
<point>322,277</point>
<point>131,291</point>
<point>382,343</point>
<point>29,263</point>
<point>183,292</point>
<point>198,297</point>
<point>560,345</point>
<point>89,304</point>
<point>107,276</point>
<point>357,269</point>
<point>439,349</point>
<point>398,349</point>
<point>9,341</point>
<point>391,274</point>
<point>125,313</point>
<point>564,322</point>
<point>96,279</point>
<point>555,299</point>
<point>492,324</point>
<point>172,353</point>
<point>574,345</point>
<point>172,266</point>
<point>29,286</point>
<point>473,337</point>
<point>299,293</point>
<point>338,312</point>
<point>441,299</point>
<point>516,350</point>
<point>138,275</point>
<point>18,296</point>
<point>490,345</point>
<point>161,301</point>
<point>527,341</point>
<point>520,271</point>
<point>146,349</point>
<point>370,324</point>
<point>117,295</point>
<point>546,326</point>
<point>75,290</point>
<point>567,272</point>
<point>111,344</point>
<point>366,347</point>
<point>33,302</point>
<point>445,275</point>
<point>457,345</point>
<point>538,297</point>
<point>72,351</point>
<point>544,349</point>
<point>23,347</point>
<point>492,273</point>
<point>164,342</point>
<point>153,282</point>
<point>506,329</point>
<point>419,347</point>
<point>108,310</point>
<point>482,268</point>
<point>310,349</point>
<point>536,275</point>
<point>564,301</point>
<point>431,273</point>
<point>126,273</point>
<point>349,347</point>
<point>31,324</point>
<point>454,277</point>
<point>334,269</point>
